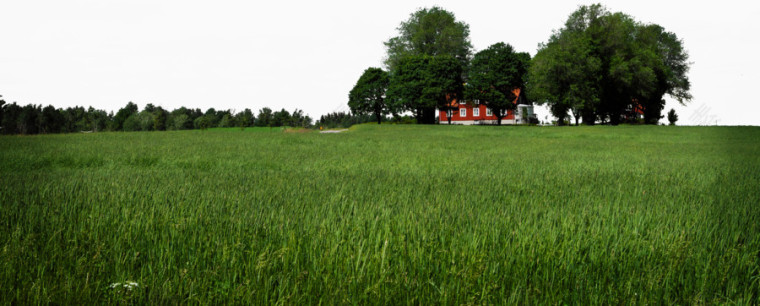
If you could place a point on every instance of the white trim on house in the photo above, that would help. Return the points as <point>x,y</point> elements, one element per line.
<point>462,112</point>
<point>476,112</point>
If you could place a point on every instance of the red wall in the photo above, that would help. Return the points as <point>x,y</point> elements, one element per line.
<point>482,116</point>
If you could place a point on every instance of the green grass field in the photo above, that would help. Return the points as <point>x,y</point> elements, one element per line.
<point>383,215</point>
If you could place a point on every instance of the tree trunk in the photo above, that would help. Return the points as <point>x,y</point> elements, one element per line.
<point>615,119</point>
<point>420,115</point>
<point>427,116</point>
<point>588,117</point>
<point>448,115</point>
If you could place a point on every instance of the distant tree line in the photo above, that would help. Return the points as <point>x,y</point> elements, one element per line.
<point>35,119</point>
<point>601,67</point>
<point>343,120</point>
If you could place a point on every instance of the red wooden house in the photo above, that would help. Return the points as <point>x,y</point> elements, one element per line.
<point>476,113</point>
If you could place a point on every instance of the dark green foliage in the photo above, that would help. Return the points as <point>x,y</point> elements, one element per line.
<point>76,119</point>
<point>182,122</point>
<point>146,119</point>
<point>204,122</point>
<point>180,119</point>
<point>149,108</point>
<point>422,84</point>
<point>494,74</point>
<point>431,32</point>
<point>426,63</point>
<point>122,115</point>
<point>11,113</point>
<point>212,117</point>
<point>98,119</point>
<point>280,118</point>
<point>27,119</point>
<point>299,119</point>
<point>342,120</point>
<point>672,117</point>
<point>34,119</point>
<point>2,106</point>
<point>227,121</point>
<point>265,117</point>
<point>604,66</point>
<point>159,119</point>
<point>50,120</point>
<point>132,124</point>
<point>245,118</point>
<point>368,95</point>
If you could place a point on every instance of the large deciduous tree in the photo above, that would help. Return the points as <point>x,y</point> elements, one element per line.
<point>421,84</point>
<point>669,63</point>
<point>431,32</point>
<point>368,95</point>
<point>606,66</point>
<point>494,75</point>
<point>565,74</point>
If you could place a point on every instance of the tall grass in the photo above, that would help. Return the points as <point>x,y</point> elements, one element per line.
<point>383,215</point>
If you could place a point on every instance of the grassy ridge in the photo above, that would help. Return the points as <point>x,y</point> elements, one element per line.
<point>388,214</point>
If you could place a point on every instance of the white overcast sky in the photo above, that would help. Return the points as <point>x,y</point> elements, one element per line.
<point>309,54</point>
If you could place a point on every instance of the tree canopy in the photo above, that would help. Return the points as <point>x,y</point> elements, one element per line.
<point>431,32</point>
<point>368,95</point>
<point>604,66</point>
<point>494,74</point>
<point>421,84</point>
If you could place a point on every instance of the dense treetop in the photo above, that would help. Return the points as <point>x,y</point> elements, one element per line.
<point>431,32</point>
<point>605,66</point>
<point>494,75</point>
<point>421,84</point>
<point>368,95</point>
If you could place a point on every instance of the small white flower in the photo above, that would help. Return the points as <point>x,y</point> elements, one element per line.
<point>129,285</point>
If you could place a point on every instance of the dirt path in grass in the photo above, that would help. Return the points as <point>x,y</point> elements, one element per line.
<point>333,131</point>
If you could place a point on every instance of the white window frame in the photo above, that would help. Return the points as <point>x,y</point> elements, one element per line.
<point>489,112</point>
<point>477,102</point>
<point>476,112</point>
<point>463,112</point>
